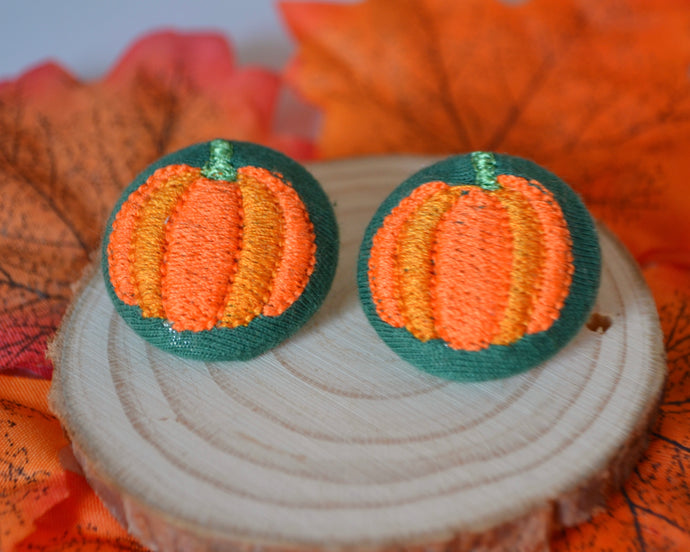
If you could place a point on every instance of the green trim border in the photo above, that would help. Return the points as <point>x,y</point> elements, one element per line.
<point>497,361</point>
<point>262,333</point>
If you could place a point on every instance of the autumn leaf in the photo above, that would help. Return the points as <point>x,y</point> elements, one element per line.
<point>43,505</point>
<point>67,149</point>
<point>652,510</point>
<point>599,92</point>
<point>27,484</point>
<point>596,91</point>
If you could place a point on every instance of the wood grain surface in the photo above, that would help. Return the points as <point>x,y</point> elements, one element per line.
<point>331,441</point>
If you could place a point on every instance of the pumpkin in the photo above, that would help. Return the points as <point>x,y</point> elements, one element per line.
<point>479,267</point>
<point>206,260</point>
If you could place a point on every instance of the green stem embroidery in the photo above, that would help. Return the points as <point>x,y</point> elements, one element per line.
<point>484,164</point>
<point>218,166</point>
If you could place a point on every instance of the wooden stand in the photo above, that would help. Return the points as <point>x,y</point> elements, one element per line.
<point>332,442</point>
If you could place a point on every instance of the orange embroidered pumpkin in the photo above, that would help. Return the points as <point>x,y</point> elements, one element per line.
<point>212,248</point>
<point>478,263</point>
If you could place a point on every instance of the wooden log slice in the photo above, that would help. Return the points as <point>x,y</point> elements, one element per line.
<point>330,441</point>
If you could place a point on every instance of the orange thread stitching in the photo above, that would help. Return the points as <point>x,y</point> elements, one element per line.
<point>202,245</point>
<point>148,240</point>
<point>383,258</point>
<point>120,243</point>
<point>484,269</point>
<point>298,257</point>
<point>472,260</point>
<point>554,280</point>
<point>528,262</point>
<point>261,250</point>
<point>415,262</point>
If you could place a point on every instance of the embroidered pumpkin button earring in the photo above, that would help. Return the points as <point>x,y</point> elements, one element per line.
<point>479,267</point>
<point>220,251</point>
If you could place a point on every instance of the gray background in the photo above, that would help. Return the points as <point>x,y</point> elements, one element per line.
<point>87,37</point>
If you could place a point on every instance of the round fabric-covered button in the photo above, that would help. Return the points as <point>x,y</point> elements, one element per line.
<point>220,251</point>
<point>479,267</point>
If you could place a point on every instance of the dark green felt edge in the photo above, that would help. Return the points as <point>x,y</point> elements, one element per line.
<point>497,361</point>
<point>262,333</point>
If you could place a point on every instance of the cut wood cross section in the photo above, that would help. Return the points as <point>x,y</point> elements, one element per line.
<point>330,441</point>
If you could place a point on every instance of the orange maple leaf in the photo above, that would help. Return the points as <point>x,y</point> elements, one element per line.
<point>44,505</point>
<point>652,511</point>
<point>68,148</point>
<point>596,91</point>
